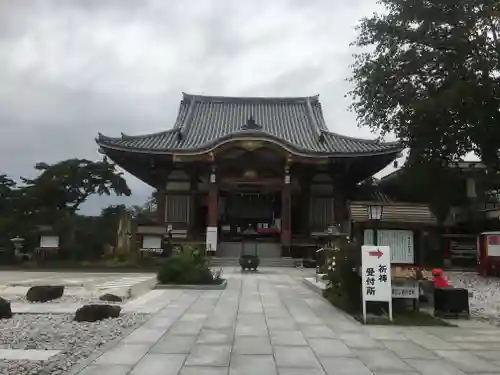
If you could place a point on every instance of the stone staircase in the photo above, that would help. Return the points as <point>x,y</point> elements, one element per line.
<point>264,262</point>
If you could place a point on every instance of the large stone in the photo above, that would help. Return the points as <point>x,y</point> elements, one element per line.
<point>95,312</point>
<point>110,298</point>
<point>44,293</point>
<point>5,311</point>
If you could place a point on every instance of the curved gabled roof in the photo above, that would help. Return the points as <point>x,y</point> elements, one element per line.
<point>204,122</point>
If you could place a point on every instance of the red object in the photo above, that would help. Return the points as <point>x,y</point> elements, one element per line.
<point>437,272</point>
<point>440,282</point>
<point>493,240</point>
<point>377,253</point>
<point>487,264</point>
<point>267,230</point>
<point>483,257</point>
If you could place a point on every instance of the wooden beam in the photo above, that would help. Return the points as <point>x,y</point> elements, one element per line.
<point>193,201</point>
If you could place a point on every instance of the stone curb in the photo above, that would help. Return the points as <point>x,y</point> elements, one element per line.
<point>312,286</point>
<point>193,287</point>
<point>308,284</point>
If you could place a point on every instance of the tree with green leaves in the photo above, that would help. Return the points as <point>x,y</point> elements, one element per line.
<point>58,192</point>
<point>432,78</point>
<point>145,212</point>
<point>8,213</point>
<point>427,183</point>
<point>16,219</point>
<point>66,185</point>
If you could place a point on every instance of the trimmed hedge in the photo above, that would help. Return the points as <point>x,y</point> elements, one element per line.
<point>188,267</point>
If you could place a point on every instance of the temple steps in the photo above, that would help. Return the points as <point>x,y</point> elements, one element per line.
<point>264,262</point>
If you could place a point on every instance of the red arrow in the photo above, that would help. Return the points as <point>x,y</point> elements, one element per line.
<point>377,253</point>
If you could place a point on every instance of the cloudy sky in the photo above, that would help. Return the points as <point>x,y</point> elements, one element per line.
<point>72,68</point>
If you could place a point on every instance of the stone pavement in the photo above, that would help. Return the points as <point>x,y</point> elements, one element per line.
<point>270,323</point>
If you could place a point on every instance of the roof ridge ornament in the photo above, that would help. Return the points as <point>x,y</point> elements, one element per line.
<point>184,128</point>
<point>321,138</point>
<point>251,125</point>
<point>312,121</point>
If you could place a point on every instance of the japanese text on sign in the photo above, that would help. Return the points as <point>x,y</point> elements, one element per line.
<point>405,289</point>
<point>151,250</point>
<point>376,273</point>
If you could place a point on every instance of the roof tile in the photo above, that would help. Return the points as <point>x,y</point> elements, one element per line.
<point>204,121</point>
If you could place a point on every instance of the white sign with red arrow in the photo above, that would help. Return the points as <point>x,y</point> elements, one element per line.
<point>376,275</point>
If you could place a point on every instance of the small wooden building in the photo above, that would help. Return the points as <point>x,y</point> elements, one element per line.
<point>233,163</point>
<point>408,228</point>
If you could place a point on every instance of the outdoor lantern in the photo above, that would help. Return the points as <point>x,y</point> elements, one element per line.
<point>17,242</point>
<point>375,212</point>
<point>212,178</point>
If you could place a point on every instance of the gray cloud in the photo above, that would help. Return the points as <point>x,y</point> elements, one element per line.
<point>70,69</point>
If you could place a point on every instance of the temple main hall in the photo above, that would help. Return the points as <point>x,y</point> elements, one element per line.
<point>265,170</point>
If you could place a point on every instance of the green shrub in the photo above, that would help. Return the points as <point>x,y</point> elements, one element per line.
<point>187,267</point>
<point>344,283</point>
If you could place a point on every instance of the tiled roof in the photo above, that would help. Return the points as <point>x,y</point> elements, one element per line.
<point>204,122</point>
<point>367,193</point>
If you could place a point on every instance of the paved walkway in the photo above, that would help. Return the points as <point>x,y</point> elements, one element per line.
<point>270,323</point>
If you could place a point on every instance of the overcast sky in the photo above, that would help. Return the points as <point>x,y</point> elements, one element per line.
<point>72,68</point>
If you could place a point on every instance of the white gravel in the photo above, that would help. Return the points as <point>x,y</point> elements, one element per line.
<point>64,299</point>
<point>485,300</point>
<point>76,340</point>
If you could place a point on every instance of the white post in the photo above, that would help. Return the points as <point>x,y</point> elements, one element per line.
<point>364,310</point>
<point>390,309</point>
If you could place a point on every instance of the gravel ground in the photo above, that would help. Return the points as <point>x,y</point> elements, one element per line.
<point>76,340</point>
<point>63,299</point>
<point>485,301</point>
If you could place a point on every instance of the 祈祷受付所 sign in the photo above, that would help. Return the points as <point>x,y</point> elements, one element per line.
<point>376,275</point>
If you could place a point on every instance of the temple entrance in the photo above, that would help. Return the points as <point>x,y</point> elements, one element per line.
<point>259,212</point>
<point>250,222</point>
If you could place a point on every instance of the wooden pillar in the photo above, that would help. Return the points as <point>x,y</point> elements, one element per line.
<point>306,203</point>
<point>213,201</point>
<point>193,203</point>
<point>286,232</point>
<point>212,238</point>
<point>161,201</point>
<point>340,209</point>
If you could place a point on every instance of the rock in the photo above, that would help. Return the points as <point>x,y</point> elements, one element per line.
<point>94,312</point>
<point>110,297</point>
<point>44,293</point>
<point>5,311</point>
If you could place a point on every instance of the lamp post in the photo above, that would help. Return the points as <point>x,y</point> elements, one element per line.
<point>375,215</point>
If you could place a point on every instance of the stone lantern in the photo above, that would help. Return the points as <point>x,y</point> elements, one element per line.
<point>18,243</point>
